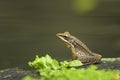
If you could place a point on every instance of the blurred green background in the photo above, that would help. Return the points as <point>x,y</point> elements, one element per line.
<point>28,27</point>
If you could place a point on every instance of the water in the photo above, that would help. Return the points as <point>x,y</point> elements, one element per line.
<point>29,28</point>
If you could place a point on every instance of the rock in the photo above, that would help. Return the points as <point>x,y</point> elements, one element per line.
<point>18,74</point>
<point>15,74</point>
<point>109,63</point>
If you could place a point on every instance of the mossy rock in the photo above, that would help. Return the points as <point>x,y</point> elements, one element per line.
<point>15,74</point>
<point>109,63</point>
<point>18,74</point>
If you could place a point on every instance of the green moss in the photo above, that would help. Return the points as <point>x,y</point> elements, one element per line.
<point>28,78</point>
<point>51,69</point>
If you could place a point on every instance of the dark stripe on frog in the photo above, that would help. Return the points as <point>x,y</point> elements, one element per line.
<point>77,45</point>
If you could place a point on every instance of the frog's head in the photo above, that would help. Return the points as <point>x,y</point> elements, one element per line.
<point>66,37</point>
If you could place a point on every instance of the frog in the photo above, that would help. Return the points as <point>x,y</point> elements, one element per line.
<point>79,50</point>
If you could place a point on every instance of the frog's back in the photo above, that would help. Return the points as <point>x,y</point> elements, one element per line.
<point>80,45</point>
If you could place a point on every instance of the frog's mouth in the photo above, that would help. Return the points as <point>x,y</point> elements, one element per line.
<point>63,37</point>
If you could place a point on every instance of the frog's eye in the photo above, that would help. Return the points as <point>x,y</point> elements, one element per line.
<point>67,33</point>
<point>66,38</point>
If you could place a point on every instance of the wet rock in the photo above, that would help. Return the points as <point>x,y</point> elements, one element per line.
<point>15,74</point>
<point>18,74</point>
<point>109,63</point>
<point>106,63</point>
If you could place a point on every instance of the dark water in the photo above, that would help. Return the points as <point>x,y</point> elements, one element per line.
<point>28,28</point>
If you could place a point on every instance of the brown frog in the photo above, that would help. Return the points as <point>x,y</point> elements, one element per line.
<point>79,50</point>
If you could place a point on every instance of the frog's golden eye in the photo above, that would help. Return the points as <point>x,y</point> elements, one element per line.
<point>67,33</point>
<point>66,37</point>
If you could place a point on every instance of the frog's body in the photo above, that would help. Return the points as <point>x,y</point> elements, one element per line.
<point>79,50</point>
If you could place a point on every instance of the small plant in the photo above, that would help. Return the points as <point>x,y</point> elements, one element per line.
<point>51,69</point>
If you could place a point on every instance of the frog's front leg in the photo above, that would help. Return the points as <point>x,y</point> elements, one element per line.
<point>74,55</point>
